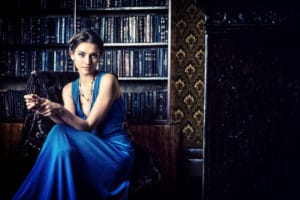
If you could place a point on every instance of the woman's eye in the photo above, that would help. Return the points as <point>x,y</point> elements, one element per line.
<point>81,54</point>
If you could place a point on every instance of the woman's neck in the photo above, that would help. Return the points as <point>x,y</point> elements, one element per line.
<point>87,78</point>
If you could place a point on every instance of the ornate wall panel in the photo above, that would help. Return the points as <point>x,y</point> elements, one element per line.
<point>187,71</point>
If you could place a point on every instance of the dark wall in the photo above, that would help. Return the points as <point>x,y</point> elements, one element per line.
<point>252,115</point>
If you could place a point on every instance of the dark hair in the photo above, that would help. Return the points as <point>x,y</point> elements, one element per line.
<point>86,36</point>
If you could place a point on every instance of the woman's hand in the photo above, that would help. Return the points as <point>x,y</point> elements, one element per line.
<point>48,108</point>
<point>32,102</point>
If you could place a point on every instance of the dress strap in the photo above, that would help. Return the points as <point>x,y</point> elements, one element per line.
<point>96,86</point>
<point>75,95</point>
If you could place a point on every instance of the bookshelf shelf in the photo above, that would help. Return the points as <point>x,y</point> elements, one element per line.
<point>12,120</point>
<point>37,12</point>
<point>33,46</point>
<point>13,79</point>
<point>141,44</point>
<point>124,10</point>
<point>143,78</point>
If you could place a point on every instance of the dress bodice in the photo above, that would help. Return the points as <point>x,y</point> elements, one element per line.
<point>115,117</point>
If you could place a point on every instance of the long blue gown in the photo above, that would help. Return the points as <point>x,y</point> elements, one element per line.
<point>75,164</point>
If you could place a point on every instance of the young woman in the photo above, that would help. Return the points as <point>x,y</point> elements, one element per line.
<point>87,154</point>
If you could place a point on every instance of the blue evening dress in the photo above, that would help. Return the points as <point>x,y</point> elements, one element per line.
<point>74,164</point>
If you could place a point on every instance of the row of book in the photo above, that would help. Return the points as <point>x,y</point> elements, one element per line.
<point>136,62</point>
<point>144,28</point>
<point>128,62</point>
<point>22,63</point>
<point>12,104</point>
<point>119,3</point>
<point>36,30</point>
<point>39,4</point>
<point>84,4</point>
<point>147,106</point>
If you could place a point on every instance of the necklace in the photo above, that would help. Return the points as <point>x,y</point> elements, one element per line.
<point>87,97</point>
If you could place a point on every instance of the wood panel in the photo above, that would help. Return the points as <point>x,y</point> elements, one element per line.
<point>10,137</point>
<point>163,141</point>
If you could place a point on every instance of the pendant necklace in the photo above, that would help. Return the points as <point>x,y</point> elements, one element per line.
<point>87,98</point>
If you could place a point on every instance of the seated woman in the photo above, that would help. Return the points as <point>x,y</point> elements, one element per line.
<point>87,154</point>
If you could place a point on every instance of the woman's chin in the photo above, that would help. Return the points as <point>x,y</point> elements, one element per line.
<point>87,70</point>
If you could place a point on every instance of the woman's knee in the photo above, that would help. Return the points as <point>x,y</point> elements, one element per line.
<point>58,137</point>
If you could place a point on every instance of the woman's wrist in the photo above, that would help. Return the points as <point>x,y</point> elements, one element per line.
<point>60,110</point>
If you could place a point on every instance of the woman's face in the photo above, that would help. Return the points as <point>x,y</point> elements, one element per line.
<point>85,58</point>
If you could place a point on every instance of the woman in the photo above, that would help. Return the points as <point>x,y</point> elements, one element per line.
<point>87,154</point>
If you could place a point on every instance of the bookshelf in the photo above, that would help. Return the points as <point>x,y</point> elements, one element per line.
<point>31,41</point>
<point>136,39</point>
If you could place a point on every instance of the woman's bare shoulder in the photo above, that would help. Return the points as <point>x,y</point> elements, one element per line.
<point>67,89</point>
<point>109,76</point>
<point>110,80</point>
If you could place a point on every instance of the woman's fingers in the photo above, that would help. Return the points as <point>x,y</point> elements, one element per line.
<point>43,107</point>
<point>32,101</point>
<point>31,98</point>
<point>46,111</point>
<point>30,106</point>
<point>46,107</point>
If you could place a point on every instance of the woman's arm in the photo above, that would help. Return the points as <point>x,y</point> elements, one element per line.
<point>52,109</point>
<point>108,92</point>
<point>34,103</point>
<point>53,116</point>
